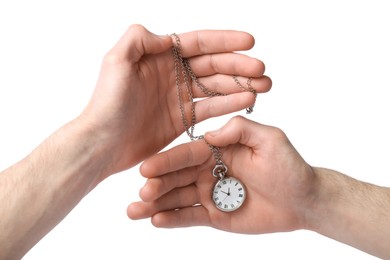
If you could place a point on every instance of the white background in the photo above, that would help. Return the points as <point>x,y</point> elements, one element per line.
<point>329,61</point>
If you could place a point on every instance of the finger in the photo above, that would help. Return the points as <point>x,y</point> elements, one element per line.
<point>222,105</point>
<point>136,42</point>
<point>156,187</point>
<point>243,131</point>
<point>179,157</point>
<point>227,63</point>
<point>185,217</point>
<point>176,199</point>
<point>214,41</point>
<point>225,84</point>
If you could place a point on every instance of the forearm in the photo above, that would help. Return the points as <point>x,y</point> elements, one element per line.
<point>352,212</point>
<point>39,191</point>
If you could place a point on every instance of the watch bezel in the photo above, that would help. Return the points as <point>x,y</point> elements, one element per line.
<point>229,209</point>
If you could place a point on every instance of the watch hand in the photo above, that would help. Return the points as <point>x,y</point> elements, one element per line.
<point>228,193</point>
<point>225,198</point>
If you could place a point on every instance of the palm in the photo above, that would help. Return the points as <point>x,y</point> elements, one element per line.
<point>268,197</point>
<point>156,121</point>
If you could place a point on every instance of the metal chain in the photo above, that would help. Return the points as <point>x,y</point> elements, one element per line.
<point>220,169</point>
<point>200,85</point>
<point>180,64</point>
<point>183,70</point>
<point>216,152</point>
<point>247,88</point>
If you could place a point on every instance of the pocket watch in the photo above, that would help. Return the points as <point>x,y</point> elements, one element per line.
<point>229,193</point>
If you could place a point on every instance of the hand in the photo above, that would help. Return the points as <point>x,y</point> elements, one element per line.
<point>278,181</point>
<point>134,110</point>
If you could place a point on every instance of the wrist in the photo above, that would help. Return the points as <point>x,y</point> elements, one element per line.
<point>350,211</point>
<point>93,148</point>
<point>115,138</point>
<point>332,201</point>
<point>324,193</point>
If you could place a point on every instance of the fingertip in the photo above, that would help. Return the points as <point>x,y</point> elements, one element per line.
<point>214,133</point>
<point>146,169</point>
<point>254,67</point>
<point>238,40</point>
<point>166,39</point>
<point>248,40</point>
<point>158,221</point>
<point>213,137</point>
<point>136,29</point>
<point>252,40</point>
<point>230,133</point>
<point>140,31</point>
<point>133,211</point>
<point>143,193</point>
<point>147,193</point>
<point>165,42</point>
<point>142,169</point>
<point>138,41</point>
<point>266,84</point>
<point>167,219</point>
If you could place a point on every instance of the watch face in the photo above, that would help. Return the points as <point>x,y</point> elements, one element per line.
<point>228,194</point>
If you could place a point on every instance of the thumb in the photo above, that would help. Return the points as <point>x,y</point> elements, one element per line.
<point>237,130</point>
<point>138,41</point>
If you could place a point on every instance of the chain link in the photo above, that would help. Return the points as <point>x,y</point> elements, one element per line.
<point>215,150</point>
<point>203,88</point>
<point>247,88</point>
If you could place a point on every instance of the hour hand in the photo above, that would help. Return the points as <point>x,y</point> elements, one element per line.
<point>227,193</point>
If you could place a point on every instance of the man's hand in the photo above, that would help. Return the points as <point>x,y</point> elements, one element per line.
<point>278,182</point>
<point>284,193</point>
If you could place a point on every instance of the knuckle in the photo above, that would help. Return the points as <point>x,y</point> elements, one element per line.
<point>278,134</point>
<point>236,121</point>
<point>111,58</point>
<point>136,29</point>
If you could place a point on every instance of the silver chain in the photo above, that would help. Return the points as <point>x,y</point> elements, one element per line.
<point>184,71</point>
<point>183,65</point>
<point>247,88</point>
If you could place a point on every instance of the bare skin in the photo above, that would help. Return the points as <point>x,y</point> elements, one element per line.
<point>134,95</point>
<point>284,192</point>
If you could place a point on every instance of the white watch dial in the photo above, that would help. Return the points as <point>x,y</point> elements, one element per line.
<point>228,194</point>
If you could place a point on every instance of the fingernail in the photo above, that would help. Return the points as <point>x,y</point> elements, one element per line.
<point>164,36</point>
<point>215,132</point>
